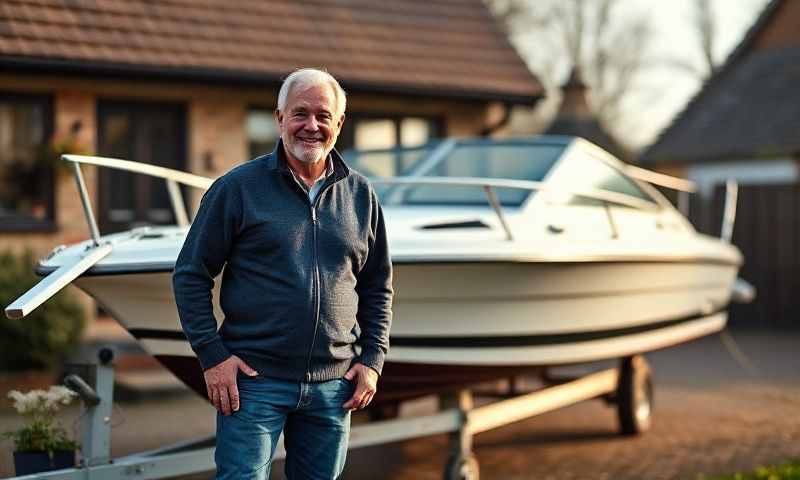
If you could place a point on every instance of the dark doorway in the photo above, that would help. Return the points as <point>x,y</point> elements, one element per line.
<point>143,132</point>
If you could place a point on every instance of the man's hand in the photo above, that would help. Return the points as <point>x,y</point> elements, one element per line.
<point>221,383</point>
<point>366,386</point>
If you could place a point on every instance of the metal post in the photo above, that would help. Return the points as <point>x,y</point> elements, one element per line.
<point>490,195</point>
<point>96,423</point>
<point>177,203</point>
<point>87,205</point>
<point>461,463</point>
<point>729,214</point>
<point>614,230</point>
<point>683,203</point>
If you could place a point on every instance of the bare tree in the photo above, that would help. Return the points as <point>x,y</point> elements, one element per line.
<point>509,13</point>
<point>706,28</point>
<point>704,25</point>
<point>556,35</point>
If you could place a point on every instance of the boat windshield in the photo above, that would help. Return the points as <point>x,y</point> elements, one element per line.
<point>511,159</point>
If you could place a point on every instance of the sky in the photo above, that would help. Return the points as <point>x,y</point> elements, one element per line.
<point>662,91</point>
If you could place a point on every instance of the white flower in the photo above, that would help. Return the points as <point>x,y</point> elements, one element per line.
<point>56,396</point>
<point>41,401</point>
<point>63,395</point>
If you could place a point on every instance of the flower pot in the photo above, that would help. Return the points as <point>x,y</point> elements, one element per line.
<point>26,463</point>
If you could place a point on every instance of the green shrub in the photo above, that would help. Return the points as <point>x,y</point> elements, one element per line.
<point>41,339</point>
<point>787,471</point>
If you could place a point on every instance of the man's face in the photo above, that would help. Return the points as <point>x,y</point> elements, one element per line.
<point>309,123</point>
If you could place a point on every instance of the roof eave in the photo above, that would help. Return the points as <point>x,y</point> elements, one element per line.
<point>42,65</point>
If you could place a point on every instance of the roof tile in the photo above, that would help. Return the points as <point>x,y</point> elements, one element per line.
<point>415,44</point>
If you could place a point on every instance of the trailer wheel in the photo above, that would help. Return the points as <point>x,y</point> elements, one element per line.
<point>462,468</point>
<point>634,396</point>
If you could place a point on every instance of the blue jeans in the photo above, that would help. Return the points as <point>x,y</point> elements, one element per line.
<point>315,426</point>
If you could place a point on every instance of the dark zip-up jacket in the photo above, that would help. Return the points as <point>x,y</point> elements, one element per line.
<point>306,289</point>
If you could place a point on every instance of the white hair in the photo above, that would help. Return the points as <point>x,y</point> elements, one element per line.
<point>309,77</point>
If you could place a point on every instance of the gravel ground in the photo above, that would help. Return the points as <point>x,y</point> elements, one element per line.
<point>711,416</point>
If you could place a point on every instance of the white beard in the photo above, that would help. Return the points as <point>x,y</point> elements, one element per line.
<point>306,154</point>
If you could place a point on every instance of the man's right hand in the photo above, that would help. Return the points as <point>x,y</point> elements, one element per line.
<point>221,383</point>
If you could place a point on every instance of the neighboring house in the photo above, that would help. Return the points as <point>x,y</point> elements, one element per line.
<point>192,86</point>
<point>745,124</point>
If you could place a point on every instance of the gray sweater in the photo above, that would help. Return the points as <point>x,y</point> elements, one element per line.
<point>306,289</point>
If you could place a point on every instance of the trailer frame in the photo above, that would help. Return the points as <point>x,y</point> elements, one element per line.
<point>629,386</point>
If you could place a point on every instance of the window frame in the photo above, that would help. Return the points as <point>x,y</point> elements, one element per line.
<point>258,107</point>
<point>29,224</point>
<point>347,138</point>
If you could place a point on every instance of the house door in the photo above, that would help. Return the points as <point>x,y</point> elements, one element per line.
<point>143,132</point>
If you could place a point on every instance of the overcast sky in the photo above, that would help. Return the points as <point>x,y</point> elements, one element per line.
<point>661,91</point>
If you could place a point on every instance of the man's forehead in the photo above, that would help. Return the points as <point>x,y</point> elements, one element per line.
<point>313,94</point>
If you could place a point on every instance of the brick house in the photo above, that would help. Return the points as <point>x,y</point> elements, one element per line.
<point>192,85</point>
<point>745,124</point>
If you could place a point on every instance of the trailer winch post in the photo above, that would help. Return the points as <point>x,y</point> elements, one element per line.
<point>97,395</point>
<point>96,424</point>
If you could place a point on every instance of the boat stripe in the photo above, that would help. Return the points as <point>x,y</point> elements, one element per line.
<point>167,267</point>
<point>539,340</point>
<point>485,341</point>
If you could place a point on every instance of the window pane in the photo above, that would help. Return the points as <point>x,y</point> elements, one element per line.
<point>487,160</point>
<point>375,134</point>
<point>414,131</point>
<point>25,167</point>
<point>262,132</point>
<point>585,172</point>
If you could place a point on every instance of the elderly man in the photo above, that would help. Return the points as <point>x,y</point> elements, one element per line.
<point>306,292</point>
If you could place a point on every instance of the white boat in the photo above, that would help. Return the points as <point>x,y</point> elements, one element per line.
<point>508,254</point>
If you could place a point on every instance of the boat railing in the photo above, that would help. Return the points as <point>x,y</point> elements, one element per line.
<point>682,186</point>
<point>173,178</point>
<point>607,198</point>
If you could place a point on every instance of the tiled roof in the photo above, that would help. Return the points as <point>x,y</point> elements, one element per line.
<point>752,111</point>
<point>749,108</point>
<point>436,47</point>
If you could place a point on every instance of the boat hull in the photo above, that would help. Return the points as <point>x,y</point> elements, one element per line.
<point>460,323</point>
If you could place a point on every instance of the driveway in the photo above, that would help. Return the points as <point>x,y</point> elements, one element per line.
<point>711,416</point>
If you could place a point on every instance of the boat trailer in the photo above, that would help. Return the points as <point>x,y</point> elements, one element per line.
<point>629,387</point>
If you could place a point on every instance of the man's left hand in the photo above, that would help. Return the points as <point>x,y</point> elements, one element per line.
<point>366,386</point>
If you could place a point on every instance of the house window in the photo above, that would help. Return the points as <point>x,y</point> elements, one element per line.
<point>26,168</point>
<point>262,131</point>
<point>383,136</point>
<point>368,132</point>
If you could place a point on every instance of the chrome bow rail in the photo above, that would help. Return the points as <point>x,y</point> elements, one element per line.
<point>172,177</point>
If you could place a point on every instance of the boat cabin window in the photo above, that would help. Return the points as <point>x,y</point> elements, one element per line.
<point>584,172</point>
<point>472,159</point>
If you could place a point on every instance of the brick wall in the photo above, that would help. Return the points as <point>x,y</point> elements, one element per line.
<point>782,30</point>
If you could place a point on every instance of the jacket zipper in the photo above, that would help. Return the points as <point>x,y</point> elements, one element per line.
<point>316,280</point>
<point>315,289</point>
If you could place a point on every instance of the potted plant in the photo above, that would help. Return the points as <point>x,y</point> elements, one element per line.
<point>41,444</point>
<point>62,145</point>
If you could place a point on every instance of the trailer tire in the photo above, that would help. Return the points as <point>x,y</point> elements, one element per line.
<point>462,468</point>
<point>634,396</point>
